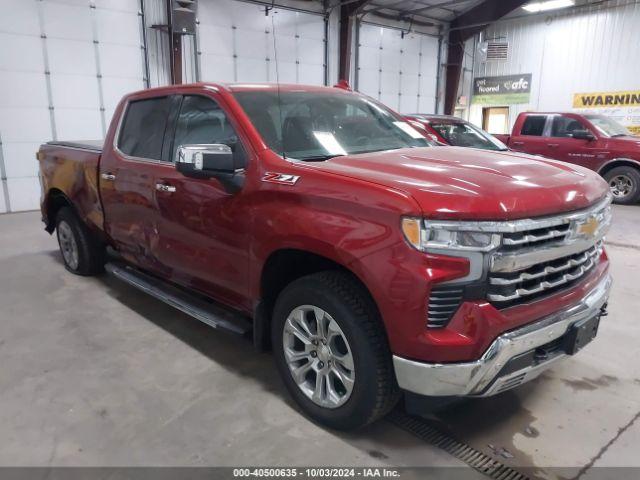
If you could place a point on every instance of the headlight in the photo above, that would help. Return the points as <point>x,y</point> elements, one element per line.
<point>426,235</point>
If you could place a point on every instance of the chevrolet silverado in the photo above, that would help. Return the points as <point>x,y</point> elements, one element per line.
<point>323,226</point>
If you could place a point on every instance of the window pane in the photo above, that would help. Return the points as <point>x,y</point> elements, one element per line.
<point>564,126</point>
<point>315,126</point>
<point>201,120</point>
<point>143,128</point>
<point>534,125</point>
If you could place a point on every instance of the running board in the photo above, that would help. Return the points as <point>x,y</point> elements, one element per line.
<point>207,312</point>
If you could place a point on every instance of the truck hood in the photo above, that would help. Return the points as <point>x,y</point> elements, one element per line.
<point>471,184</point>
<point>630,142</point>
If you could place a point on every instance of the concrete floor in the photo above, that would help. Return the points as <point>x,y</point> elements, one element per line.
<point>94,373</point>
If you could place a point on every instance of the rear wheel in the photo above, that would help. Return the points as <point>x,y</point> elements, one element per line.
<point>624,183</point>
<point>81,252</point>
<point>332,352</point>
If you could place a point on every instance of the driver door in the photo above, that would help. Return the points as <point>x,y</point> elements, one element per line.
<point>203,228</point>
<point>562,146</point>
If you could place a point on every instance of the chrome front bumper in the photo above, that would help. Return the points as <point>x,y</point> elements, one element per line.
<point>483,377</point>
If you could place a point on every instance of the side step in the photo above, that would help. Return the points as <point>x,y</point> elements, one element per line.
<point>207,312</point>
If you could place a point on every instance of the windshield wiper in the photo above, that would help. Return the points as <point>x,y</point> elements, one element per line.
<point>619,135</point>
<point>320,158</point>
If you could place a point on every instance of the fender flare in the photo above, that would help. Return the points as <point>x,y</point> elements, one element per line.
<point>53,193</point>
<point>603,168</point>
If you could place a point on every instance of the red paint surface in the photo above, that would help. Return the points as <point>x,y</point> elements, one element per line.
<point>347,209</point>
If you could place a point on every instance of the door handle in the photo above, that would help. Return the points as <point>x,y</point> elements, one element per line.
<point>108,176</point>
<point>517,144</point>
<point>161,187</point>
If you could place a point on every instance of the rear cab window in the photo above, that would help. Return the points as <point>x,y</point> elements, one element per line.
<point>143,128</point>
<point>534,125</point>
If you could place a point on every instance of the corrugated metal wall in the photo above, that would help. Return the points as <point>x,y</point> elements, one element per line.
<point>588,50</point>
<point>398,68</point>
<point>236,43</point>
<point>64,65</point>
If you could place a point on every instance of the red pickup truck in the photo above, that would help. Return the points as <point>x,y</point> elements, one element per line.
<point>593,141</point>
<point>319,222</point>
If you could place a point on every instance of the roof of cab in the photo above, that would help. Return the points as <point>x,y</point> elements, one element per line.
<point>428,116</point>
<point>243,87</point>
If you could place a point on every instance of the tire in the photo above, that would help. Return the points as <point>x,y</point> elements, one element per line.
<point>624,183</point>
<point>81,252</point>
<point>359,333</point>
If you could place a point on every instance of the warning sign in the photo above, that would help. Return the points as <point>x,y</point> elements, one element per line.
<point>607,100</point>
<point>623,107</point>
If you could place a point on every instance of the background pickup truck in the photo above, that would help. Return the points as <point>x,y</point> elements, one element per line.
<point>593,141</point>
<point>321,223</point>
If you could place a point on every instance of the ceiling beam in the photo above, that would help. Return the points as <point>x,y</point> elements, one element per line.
<point>463,28</point>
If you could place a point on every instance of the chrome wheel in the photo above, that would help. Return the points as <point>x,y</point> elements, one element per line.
<point>621,186</point>
<point>318,356</point>
<point>68,245</point>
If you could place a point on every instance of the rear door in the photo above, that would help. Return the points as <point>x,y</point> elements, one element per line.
<point>203,227</point>
<point>127,178</point>
<point>530,137</point>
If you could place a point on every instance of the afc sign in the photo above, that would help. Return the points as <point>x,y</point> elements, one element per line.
<point>506,89</point>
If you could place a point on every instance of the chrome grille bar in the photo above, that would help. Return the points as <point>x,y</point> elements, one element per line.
<point>524,276</point>
<point>535,238</point>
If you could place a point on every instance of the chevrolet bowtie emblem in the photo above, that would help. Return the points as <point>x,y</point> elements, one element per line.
<point>589,228</point>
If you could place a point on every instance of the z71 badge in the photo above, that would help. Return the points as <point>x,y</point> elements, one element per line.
<point>282,178</point>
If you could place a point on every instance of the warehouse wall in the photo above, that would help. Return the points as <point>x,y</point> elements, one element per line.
<point>586,50</point>
<point>399,69</point>
<point>236,44</point>
<point>64,65</point>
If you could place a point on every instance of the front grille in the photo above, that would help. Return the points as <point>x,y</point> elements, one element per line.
<point>527,259</point>
<point>443,303</point>
<point>508,289</point>
<point>535,238</point>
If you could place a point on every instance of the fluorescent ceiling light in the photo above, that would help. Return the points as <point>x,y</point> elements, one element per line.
<point>536,7</point>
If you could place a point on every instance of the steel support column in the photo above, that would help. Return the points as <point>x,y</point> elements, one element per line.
<point>464,27</point>
<point>348,12</point>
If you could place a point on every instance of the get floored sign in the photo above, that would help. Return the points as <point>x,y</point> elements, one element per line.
<point>504,90</point>
<point>623,107</point>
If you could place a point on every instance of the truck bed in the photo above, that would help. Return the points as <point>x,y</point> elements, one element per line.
<point>93,145</point>
<point>69,170</point>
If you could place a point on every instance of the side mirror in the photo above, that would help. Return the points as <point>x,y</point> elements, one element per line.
<point>205,161</point>
<point>213,160</point>
<point>582,135</point>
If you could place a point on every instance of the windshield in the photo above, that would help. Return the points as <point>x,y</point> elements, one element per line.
<point>460,134</point>
<point>607,126</point>
<point>320,125</point>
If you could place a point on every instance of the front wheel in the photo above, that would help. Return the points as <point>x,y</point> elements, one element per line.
<point>624,183</point>
<point>332,352</point>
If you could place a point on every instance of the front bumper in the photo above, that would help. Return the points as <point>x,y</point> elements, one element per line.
<point>512,359</point>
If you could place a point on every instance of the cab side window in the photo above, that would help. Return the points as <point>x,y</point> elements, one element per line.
<point>534,125</point>
<point>202,121</point>
<point>565,126</point>
<point>142,131</point>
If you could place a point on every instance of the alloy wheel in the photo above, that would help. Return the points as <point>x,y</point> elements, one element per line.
<point>318,356</point>
<point>621,186</point>
<point>68,245</point>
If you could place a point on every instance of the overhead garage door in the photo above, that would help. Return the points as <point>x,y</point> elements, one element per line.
<point>236,44</point>
<point>400,71</point>
<point>64,65</point>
